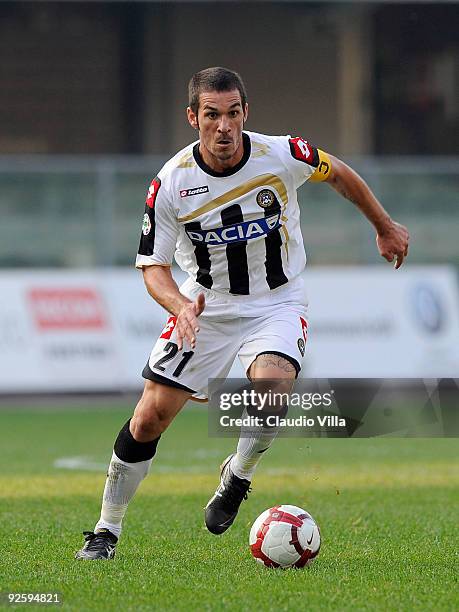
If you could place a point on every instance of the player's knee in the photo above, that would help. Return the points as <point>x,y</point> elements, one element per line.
<point>147,426</point>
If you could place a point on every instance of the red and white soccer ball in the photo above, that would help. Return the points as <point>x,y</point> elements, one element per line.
<point>285,536</point>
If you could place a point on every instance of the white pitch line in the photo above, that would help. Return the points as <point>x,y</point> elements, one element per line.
<point>79,463</point>
<point>89,465</point>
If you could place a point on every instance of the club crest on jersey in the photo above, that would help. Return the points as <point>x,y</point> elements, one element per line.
<point>265,198</point>
<point>301,346</point>
<point>239,232</point>
<point>146,224</point>
<point>184,193</point>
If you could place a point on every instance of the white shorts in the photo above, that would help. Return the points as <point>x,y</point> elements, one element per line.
<point>231,326</point>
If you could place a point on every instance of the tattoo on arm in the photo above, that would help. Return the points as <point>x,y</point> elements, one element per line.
<point>346,195</point>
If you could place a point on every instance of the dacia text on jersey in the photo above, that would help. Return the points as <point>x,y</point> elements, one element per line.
<point>239,232</point>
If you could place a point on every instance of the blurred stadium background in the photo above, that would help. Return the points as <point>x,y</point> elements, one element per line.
<point>92,102</point>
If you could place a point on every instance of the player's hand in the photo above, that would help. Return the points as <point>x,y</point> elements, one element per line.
<point>393,243</point>
<point>187,325</point>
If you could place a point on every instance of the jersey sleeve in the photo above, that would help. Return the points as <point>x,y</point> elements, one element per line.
<point>306,162</point>
<point>159,228</point>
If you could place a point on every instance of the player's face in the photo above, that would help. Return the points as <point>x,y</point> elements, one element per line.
<point>220,120</point>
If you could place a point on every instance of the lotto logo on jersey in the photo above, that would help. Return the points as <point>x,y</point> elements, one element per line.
<point>153,192</point>
<point>184,193</point>
<point>303,151</point>
<point>239,232</point>
<point>304,328</point>
<point>169,328</point>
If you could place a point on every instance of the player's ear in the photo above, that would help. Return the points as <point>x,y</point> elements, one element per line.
<point>192,118</point>
<point>246,112</point>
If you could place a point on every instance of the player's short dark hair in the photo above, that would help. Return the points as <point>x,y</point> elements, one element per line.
<point>214,79</point>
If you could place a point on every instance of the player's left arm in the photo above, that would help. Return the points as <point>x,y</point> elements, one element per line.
<point>391,237</point>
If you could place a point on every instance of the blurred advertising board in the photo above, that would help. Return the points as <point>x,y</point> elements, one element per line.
<point>376,322</point>
<point>56,333</point>
<point>70,331</point>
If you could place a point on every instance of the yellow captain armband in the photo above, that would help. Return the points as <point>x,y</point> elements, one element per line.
<point>322,172</point>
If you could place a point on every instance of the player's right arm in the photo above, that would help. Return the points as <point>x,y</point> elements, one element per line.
<point>156,250</point>
<point>164,290</point>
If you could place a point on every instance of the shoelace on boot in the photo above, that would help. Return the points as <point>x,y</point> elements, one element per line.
<point>234,493</point>
<point>98,540</point>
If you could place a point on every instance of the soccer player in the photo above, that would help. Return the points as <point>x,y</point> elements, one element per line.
<point>226,207</point>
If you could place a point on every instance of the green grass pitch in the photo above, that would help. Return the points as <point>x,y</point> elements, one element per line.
<point>387,509</point>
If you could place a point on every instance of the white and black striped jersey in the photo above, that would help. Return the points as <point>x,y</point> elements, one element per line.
<point>235,232</point>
